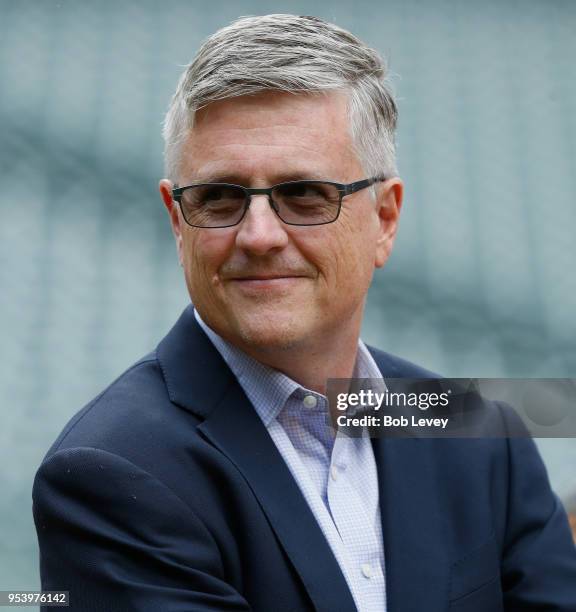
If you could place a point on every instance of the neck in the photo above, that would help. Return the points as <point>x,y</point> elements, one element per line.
<point>313,364</point>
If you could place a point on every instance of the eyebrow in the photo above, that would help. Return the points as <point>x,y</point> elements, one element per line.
<point>282,177</point>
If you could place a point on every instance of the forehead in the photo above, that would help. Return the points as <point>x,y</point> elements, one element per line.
<point>271,136</point>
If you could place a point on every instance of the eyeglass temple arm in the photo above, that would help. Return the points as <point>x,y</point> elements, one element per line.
<point>176,192</point>
<point>358,185</point>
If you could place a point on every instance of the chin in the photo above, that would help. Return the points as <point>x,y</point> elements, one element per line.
<point>273,332</point>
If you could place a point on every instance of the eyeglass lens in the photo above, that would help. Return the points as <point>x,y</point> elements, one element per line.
<point>297,203</point>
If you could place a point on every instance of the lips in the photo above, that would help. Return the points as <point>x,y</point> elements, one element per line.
<point>269,282</point>
<point>266,277</point>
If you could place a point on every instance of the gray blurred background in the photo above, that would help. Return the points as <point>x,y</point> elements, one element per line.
<point>481,282</point>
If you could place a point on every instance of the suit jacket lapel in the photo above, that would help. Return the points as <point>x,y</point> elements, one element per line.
<point>413,527</point>
<point>416,555</point>
<point>235,428</point>
<point>198,379</point>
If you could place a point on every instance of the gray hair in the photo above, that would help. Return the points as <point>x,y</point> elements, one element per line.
<point>293,54</point>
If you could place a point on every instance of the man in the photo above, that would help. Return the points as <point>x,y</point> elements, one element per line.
<point>205,477</point>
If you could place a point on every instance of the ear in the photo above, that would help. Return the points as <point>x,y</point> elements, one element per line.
<point>165,188</point>
<point>388,208</point>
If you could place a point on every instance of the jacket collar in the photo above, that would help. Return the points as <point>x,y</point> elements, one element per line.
<point>196,376</point>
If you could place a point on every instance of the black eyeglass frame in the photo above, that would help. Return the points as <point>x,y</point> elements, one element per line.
<point>342,188</point>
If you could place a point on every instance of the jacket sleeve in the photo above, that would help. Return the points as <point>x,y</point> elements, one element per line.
<point>119,540</point>
<point>539,556</point>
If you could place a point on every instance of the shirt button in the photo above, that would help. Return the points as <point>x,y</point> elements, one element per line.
<point>334,472</point>
<point>366,570</point>
<point>310,401</point>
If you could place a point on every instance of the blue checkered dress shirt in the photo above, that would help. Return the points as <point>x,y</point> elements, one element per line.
<point>336,474</point>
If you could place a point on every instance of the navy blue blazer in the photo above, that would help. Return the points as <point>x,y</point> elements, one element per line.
<point>167,494</point>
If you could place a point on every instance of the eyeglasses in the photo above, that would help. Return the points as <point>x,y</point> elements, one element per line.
<point>216,205</point>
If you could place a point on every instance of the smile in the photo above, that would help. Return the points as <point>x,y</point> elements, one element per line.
<point>266,282</point>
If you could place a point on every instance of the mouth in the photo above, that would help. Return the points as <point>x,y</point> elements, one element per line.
<point>272,281</point>
<point>265,277</point>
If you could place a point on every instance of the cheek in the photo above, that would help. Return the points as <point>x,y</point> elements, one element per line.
<point>355,250</point>
<point>205,252</point>
<point>344,255</point>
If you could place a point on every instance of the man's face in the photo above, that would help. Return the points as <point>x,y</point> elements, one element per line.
<point>264,285</point>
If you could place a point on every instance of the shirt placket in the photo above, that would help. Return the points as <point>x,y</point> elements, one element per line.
<point>355,521</point>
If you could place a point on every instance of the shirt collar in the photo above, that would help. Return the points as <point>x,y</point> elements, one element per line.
<point>267,388</point>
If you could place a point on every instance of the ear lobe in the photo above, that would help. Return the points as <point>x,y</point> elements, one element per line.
<point>165,188</point>
<point>389,205</point>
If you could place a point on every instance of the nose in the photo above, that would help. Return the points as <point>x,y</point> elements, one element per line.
<point>261,231</point>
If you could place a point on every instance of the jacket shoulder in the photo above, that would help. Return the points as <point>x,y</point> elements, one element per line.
<point>130,409</point>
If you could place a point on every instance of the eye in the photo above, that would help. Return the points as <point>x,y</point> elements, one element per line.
<point>303,191</point>
<point>220,194</point>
